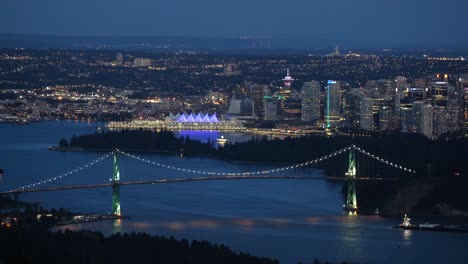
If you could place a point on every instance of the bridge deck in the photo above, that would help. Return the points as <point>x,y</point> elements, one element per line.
<point>161,181</point>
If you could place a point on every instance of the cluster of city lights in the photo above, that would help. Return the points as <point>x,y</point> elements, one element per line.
<point>382,160</point>
<point>68,173</point>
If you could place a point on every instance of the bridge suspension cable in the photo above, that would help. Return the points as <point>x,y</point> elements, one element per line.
<point>66,174</point>
<point>310,162</point>
<point>213,173</point>
<point>383,160</point>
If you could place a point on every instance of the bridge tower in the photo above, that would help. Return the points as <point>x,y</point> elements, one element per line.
<point>351,202</point>
<point>116,187</point>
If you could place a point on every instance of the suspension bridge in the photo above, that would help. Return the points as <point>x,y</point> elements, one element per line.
<point>350,177</point>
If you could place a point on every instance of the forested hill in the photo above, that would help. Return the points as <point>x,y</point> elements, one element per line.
<point>40,246</point>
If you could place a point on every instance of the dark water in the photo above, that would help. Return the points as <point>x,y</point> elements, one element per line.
<point>290,220</point>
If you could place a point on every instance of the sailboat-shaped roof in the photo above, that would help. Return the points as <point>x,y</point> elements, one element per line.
<point>206,118</point>
<point>182,118</point>
<point>190,118</point>
<point>213,118</point>
<point>198,118</point>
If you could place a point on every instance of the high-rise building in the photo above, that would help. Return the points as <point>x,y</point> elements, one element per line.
<point>352,107</point>
<point>406,119</point>
<point>386,118</point>
<point>291,108</point>
<point>246,107</point>
<point>366,114</point>
<point>310,95</point>
<point>333,105</point>
<point>439,92</point>
<point>462,85</point>
<point>440,124</point>
<point>257,92</point>
<point>386,88</point>
<point>234,106</point>
<point>453,108</point>
<point>422,118</point>
<point>271,109</point>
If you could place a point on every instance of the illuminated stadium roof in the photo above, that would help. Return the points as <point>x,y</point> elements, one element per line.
<point>198,118</point>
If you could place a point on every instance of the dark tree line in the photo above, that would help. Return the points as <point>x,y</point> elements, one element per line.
<point>37,245</point>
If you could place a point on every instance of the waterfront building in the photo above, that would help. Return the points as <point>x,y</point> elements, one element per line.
<point>183,121</point>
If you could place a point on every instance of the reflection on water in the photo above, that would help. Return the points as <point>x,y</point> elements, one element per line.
<point>289,220</point>
<point>117,225</point>
<point>351,233</point>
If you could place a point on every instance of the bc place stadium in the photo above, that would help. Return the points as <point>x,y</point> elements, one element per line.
<point>182,122</point>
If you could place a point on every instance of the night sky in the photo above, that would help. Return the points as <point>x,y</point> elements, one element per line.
<point>370,22</point>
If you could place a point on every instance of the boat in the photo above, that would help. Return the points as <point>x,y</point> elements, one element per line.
<point>376,212</point>
<point>222,140</point>
<point>406,225</point>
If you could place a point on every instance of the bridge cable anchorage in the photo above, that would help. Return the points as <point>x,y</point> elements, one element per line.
<point>375,157</point>
<point>61,176</point>
<point>249,173</point>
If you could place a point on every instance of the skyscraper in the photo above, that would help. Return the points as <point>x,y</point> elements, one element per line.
<point>257,92</point>
<point>310,95</point>
<point>366,114</point>
<point>385,118</point>
<point>333,105</point>
<point>271,109</point>
<point>422,118</point>
<point>351,107</point>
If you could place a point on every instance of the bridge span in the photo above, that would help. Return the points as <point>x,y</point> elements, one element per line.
<point>194,179</point>
<point>350,177</point>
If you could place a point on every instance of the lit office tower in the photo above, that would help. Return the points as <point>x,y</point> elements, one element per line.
<point>438,92</point>
<point>352,107</point>
<point>406,119</point>
<point>366,115</point>
<point>385,118</point>
<point>453,108</point>
<point>257,92</point>
<point>440,124</point>
<point>462,87</point>
<point>422,118</point>
<point>333,104</point>
<point>401,83</point>
<point>310,95</point>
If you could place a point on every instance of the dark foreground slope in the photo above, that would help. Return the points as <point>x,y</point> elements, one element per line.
<point>40,246</point>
